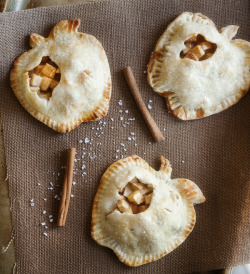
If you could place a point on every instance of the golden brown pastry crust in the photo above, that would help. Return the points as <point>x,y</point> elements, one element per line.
<point>147,236</point>
<point>84,90</point>
<point>196,89</point>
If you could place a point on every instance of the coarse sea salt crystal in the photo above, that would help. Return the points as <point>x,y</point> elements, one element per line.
<point>120,110</point>
<point>120,102</point>
<point>45,234</point>
<point>72,195</point>
<point>149,106</point>
<point>182,161</point>
<point>32,204</point>
<point>44,211</point>
<point>121,118</point>
<point>126,111</point>
<point>80,141</point>
<point>150,101</point>
<point>50,216</point>
<point>43,224</point>
<point>112,119</point>
<point>73,182</point>
<point>51,220</point>
<point>87,140</point>
<point>38,184</point>
<point>45,199</point>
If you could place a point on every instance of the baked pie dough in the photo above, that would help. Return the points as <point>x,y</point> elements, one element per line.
<point>143,214</point>
<point>64,79</point>
<point>199,69</point>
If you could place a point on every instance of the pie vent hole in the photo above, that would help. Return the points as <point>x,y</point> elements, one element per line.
<point>135,197</point>
<point>44,78</point>
<point>198,48</point>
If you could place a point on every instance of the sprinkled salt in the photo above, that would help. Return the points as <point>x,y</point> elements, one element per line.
<point>43,224</point>
<point>80,141</point>
<point>149,143</point>
<point>46,227</point>
<point>122,144</point>
<point>117,150</point>
<point>129,138</point>
<point>126,111</point>
<point>121,118</point>
<point>38,184</point>
<point>120,110</point>
<point>83,166</point>
<point>87,140</point>
<point>72,195</point>
<point>182,161</point>
<point>144,71</point>
<point>150,101</point>
<point>73,182</point>
<point>51,220</point>
<point>32,204</point>
<point>45,199</point>
<point>44,211</point>
<point>120,102</point>
<point>132,133</point>
<point>149,106</point>
<point>51,183</point>
<point>56,196</point>
<point>50,216</point>
<point>112,119</point>
<point>45,234</point>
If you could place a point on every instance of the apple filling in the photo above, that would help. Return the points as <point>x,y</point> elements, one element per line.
<point>135,197</point>
<point>44,78</point>
<point>198,48</point>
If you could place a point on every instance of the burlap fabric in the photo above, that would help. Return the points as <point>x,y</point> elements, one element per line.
<point>213,152</point>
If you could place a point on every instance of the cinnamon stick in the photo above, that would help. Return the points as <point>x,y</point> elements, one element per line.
<point>154,129</point>
<point>67,185</point>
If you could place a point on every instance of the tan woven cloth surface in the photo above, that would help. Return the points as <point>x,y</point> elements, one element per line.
<point>213,152</point>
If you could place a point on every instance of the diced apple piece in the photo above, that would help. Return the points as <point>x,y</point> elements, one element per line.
<point>207,55</point>
<point>45,83</point>
<point>38,69</point>
<point>128,190</point>
<point>58,70</point>
<point>34,89</point>
<point>141,208</point>
<point>205,45</point>
<point>53,84</point>
<point>136,185</point>
<point>191,56</point>
<point>198,51</point>
<point>124,206</point>
<point>148,198</point>
<point>191,40</point>
<point>35,80</point>
<point>134,208</point>
<point>45,95</point>
<point>48,71</point>
<point>136,197</point>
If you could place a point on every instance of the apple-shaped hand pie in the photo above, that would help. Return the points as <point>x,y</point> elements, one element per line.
<point>64,79</point>
<point>143,214</point>
<point>199,69</point>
